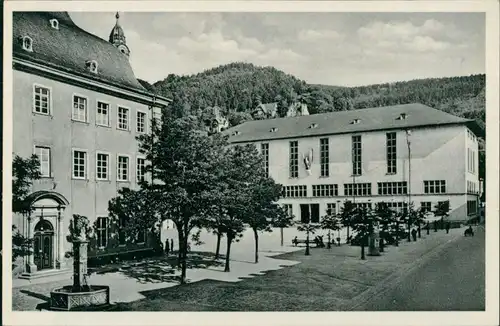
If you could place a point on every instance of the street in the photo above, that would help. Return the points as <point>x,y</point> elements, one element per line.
<point>452,281</point>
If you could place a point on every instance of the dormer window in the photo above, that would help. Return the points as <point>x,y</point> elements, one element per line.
<point>313,125</point>
<point>274,129</point>
<point>54,23</point>
<point>27,43</point>
<point>92,66</point>
<point>355,121</point>
<point>236,133</point>
<point>402,116</point>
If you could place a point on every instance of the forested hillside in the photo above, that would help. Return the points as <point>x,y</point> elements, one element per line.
<point>239,87</point>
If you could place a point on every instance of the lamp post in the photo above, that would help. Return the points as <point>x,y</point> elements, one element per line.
<point>408,143</point>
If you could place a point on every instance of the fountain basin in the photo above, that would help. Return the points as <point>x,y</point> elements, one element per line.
<point>97,297</point>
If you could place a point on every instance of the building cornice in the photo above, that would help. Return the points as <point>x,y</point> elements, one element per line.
<point>264,139</point>
<point>72,78</point>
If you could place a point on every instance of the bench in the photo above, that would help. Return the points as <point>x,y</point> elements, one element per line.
<point>295,242</point>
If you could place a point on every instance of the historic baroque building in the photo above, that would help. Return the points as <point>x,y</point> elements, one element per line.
<point>77,105</point>
<point>397,154</point>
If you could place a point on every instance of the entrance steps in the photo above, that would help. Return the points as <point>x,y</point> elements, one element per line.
<point>43,276</point>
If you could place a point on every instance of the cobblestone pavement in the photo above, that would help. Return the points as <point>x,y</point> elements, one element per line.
<point>126,285</point>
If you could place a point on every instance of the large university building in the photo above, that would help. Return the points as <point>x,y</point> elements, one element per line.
<point>397,154</point>
<point>78,106</point>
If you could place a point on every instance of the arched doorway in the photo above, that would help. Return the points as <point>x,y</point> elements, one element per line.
<point>43,245</point>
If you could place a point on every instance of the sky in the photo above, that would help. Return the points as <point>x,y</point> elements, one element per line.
<point>342,49</point>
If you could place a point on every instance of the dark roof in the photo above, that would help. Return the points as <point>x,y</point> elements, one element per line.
<point>69,47</point>
<point>371,119</point>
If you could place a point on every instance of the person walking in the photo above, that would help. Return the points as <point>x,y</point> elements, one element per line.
<point>167,247</point>
<point>447,227</point>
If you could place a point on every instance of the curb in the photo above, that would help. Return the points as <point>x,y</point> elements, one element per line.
<point>395,278</point>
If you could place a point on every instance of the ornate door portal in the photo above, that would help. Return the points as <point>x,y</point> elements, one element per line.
<point>44,245</point>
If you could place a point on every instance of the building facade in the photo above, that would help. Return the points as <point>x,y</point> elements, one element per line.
<point>78,106</point>
<point>399,154</point>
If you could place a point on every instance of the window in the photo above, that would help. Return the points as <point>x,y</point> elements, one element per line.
<point>92,66</point>
<point>426,206</point>
<point>294,159</point>
<point>288,209</point>
<point>102,232</point>
<point>325,190</point>
<point>357,189</point>
<point>123,118</point>
<point>27,43</point>
<point>391,152</point>
<point>43,154</point>
<point>471,207</point>
<point>141,122</point>
<point>121,231</point>
<point>41,100</point>
<point>102,118</point>
<point>54,23</point>
<point>264,149</point>
<point>363,205</point>
<point>324,157</point>
<point>434,186</point>
<point>392,188</point>
<point>295,191</point>
<point>79,164</point>
<point>79,108</point>
<point>123,167</point>
<point>102,166</point>
<point>140,166</point>
<point>141,237</point>
<point>356,155</point>
<point>331,208</point>
<point>397,206</point>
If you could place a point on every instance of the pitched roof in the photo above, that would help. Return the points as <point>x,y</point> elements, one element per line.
<point>371,119</point>
<point>69,47</point>
<point>267,107</point>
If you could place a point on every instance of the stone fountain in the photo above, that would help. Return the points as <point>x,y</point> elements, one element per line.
<point>80,295</point>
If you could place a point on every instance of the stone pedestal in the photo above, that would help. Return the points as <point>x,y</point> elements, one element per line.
<point>373,248</point>
<point>79,265</point>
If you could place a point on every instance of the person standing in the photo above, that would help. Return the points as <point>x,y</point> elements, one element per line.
<point>414,234</point>
<point>172,245</point>
<point>447,227</point>
<point>167,247</point>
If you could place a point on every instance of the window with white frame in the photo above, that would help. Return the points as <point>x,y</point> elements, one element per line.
<point>102,117</point>
<point>43,154</point>
<point>27,43</point>
<point>123,118</point>
<point>294,191</point>
<point>288,209</point>
<point>79,164</point>
<point>329,190</point>
<point>123,167</point>
<point>331,209</point>
<point>102,166</point>
<point>426,206</point>
<point>392,188</point>
<point>141,168</point>
<point>41,100</point>
<point>141,122</point>
<point>102,232</point>
<point>141,236</point>
<point>79,108</point>
<point>357,189</point>
<point>434,186</point>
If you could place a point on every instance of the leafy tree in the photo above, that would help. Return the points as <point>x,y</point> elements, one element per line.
<point>283,220</point>
<point>363,223</point>
<point>331,222</point>
<point>24,172</point>
<point>442,209</point>
<point>346,213</point>
<point>21,246</point>
<point>386,217</point>
<point>308,229</point>
<point>182,160</point>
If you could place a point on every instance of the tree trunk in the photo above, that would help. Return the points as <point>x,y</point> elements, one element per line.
<point>347,240</point>
<point>363,249</point>
<point>329,240</point>
<point>184,261</point>
<point>217,249</point>
<point>409,233</point>
<point>307,244</point>
<point>419,230</point>
<point>228,251</point>
<point>281,232</point>
<point>256,237</point>
<point>179,250</point>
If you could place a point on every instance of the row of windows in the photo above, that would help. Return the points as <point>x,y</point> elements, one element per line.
<point>471,160</point>
<point>472,187</point>
<point>295,191</point>
<point>80,165</point>
<point>365,189</point>
<point>393,188</point>
<point>330,190</point>
<point>80,112</point>
<point>102,233</point>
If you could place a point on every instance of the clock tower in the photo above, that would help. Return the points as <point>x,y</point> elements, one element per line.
<point>117,37</point>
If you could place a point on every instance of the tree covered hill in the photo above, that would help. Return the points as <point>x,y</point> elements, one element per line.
<point>237,88</point>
